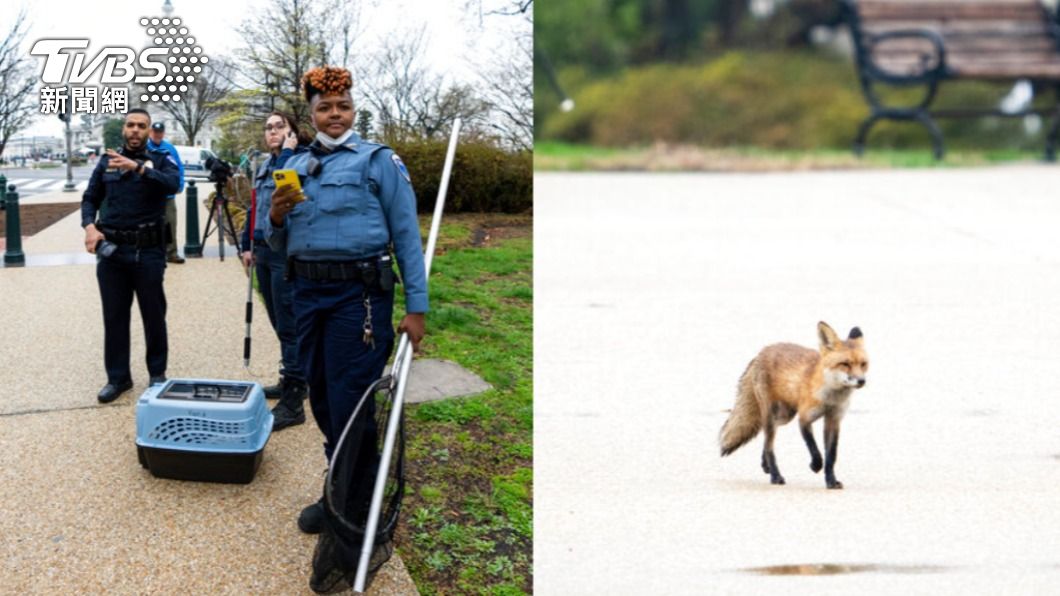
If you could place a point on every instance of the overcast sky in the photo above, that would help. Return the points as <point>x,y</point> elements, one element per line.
<point>456,42</point>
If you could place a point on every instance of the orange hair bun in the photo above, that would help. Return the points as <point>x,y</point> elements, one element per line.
<point>327,80</point>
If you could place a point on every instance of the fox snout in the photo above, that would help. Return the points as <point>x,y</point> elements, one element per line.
<point>854,381</point>
<point>837,378</point>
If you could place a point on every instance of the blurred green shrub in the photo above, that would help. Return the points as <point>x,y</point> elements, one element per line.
<point>485,178</point>
<point>778,100</point>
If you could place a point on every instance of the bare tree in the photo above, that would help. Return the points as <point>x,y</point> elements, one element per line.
<point>498,7</point>
<point>282,42</point>
<point>17,82</point>
<point>508,87</point>
<point>506,80</point>
<point>345,31</point>
<point>435,109</point>
<point>201,101</point>
<point>393,80</point>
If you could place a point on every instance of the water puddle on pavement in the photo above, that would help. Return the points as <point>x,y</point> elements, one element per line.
<point>843,569</point>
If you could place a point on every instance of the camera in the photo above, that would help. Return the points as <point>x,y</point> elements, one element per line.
<point>220,170</point>
<point>105,248</point>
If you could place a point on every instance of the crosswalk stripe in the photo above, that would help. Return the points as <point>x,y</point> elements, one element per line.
<point>37,184</point>
<point>18,182</point>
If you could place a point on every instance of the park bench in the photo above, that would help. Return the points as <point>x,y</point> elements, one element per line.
<point>909,43</point>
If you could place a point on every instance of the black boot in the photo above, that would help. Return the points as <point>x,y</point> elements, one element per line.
<point>311,519</point>
<point>289,411</point>
<point>274,391</point>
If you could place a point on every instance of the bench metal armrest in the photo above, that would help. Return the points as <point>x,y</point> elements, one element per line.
<point>928,75</point>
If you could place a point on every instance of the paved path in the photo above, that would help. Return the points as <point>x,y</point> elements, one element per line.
<point>77,512</point>
<point>652,292</point>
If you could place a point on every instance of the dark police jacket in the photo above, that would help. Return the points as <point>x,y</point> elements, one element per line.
<point>132,199</point>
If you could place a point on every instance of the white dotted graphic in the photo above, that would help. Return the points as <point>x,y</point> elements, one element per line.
<point>184,57</point>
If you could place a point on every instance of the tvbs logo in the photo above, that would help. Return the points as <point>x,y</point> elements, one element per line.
<point>117,63</point>
<point>173,55</point>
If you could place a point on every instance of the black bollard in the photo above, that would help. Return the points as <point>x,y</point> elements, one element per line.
<point>13,256</point>
<point>3,190</point>
<point>192,246</point>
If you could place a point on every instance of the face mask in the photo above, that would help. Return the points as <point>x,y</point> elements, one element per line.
<point>330,143</point>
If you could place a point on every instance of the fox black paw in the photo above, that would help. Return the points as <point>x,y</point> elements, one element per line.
<point>776,480</point>
<point>835,484</point>
<point>816,464</point>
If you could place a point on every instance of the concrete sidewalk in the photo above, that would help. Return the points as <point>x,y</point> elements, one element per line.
<point>79,514</point>
<point>652,292</point>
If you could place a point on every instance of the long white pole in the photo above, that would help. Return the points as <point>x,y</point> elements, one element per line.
<point>402,364</point>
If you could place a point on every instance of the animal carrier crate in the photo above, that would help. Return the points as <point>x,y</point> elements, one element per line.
<point>203,430</point>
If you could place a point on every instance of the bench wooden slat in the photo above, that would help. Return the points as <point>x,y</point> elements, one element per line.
<point>995,70</point>
<point>965,28</point>
<point>972,45</point>
<point>1019,10</point>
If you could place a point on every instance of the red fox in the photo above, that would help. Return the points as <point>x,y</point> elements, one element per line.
<point>786,379</point>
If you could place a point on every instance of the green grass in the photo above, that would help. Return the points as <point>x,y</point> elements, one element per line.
<point>468,521</point>
<point>559,156</point>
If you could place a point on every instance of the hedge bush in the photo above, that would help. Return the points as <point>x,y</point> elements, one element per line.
<point>778,100</point>
<point>484,178</point>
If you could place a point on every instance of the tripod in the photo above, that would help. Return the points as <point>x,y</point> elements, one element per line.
<point>217,206</point>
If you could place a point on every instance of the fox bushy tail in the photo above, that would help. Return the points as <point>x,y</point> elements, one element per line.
<point>746,418</point>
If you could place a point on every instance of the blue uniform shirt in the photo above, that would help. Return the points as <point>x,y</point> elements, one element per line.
<point>167,147</point>
<point>359,201</point>
<point>264,186</point>
<point>132,199</point>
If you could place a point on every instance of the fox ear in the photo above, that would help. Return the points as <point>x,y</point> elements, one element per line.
<point>827,335</point>
<point>855,333</point>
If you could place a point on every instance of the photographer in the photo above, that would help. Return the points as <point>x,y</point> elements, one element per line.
<point>130,241</point>
<point>281,137</point>
<point>357,202</point>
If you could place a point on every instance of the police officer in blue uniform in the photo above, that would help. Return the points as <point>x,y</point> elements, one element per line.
<point>281,137</point>
<point>357,202</point>
<point>129,240</point>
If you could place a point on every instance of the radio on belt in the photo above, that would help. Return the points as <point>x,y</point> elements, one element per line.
<point>203,430</point>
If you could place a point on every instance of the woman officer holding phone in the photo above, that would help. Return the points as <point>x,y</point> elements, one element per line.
<point>282,139</point>
<point>357,207</point>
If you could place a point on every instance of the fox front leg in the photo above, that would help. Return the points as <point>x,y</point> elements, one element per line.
<point>831,445</point>
<point>815,455</point>
<point>806,419</point>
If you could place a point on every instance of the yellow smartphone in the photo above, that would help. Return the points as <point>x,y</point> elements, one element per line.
<point>289,178</point>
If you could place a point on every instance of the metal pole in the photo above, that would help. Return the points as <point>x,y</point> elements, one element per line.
<point>250,279</point>
<point>192,247</point>
<point>69,186</point>
<point>13,256</point>
<point>402,363</point>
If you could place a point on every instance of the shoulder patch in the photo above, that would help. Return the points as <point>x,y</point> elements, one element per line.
<point>400,165</point>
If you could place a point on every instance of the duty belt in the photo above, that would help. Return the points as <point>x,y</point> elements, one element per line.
<point>365,270</point>
<point>145,236</point>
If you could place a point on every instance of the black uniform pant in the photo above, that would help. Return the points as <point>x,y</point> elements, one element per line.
<point>339,365</point>
<point>127,272</point>
<point>279,305</point>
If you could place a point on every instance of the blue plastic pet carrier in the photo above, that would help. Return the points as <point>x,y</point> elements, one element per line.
<point>202,429</point>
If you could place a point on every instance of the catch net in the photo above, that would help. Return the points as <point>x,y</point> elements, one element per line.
<point>348,492</point>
